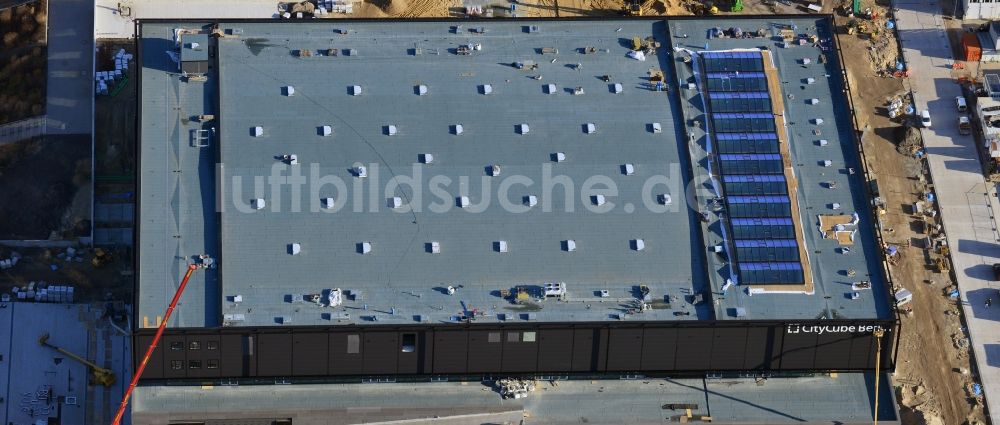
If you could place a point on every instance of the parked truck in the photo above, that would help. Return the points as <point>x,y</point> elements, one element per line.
<point>964,125</point>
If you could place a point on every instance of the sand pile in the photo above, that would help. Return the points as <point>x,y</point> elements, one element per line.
<point>391,7</point>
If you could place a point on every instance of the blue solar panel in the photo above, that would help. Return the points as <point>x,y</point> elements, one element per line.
<point>764,184</point>
<point>762,199</point>
<point>759,163</point>
<point>754,178</point>
<point>763,222</point>
<point>723,102</point>
<point>736,74</point>
<point>732,61</point>
<point>746,136</point>
<point>762,273</point>
<point>743,122</point>
<point>766,243</point>
<point>772,250</point>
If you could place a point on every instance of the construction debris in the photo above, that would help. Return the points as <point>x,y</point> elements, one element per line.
<point>514,387</point>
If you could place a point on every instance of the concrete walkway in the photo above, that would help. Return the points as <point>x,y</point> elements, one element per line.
<point>70,93</point>
<point>966,202</point>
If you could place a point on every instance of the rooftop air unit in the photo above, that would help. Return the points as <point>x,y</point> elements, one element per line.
<point>356,90</point>
<point>421,90</point>
<point>360,171</point>
<point>569,245</point>
<point>258,131</point>
<point>289,91</point>
<point>493,170</point>
<point>365,247</point>
<point>628,169</point>
<point>294,248</point>
<point>664,199</point>
<point>551,89</point>
<point>291,159</point>
<point>426,158</point>
<point>500,246</point>
<point>522,129</point>
<point>463,201</point>
<point>391,130</point>
<point>334,297</point>
<point>814,101</point>
<point>258,204</point>
<point>395,202</point>
<point>637,244</point>
<point>486,88</point>
<point>656,127</point>
<point>590,128</point>
<point>617,88</point>
<point>557,289</point>
<point>530,200</point>
<point>434,247</point>
<point>558,157</point>
<point>457,129</point>
<point>598,200</point>
<point>326,130</point>
<point>328,203</point>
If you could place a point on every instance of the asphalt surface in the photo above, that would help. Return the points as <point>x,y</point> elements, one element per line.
<point>966,202</point>
<point>70,91</point>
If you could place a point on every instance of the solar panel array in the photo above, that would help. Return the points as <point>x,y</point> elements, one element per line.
<point>751,167</point>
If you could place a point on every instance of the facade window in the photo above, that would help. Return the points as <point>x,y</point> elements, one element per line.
<point>177,364</point>
<point>212,364</point>
<point>528,337</point>
<point>493,337</point>
<point>194,364</point>
<point>513,337</point>
<point>409,343</point>
<point>212,345</point>
<point>176,346</point>
<point>353,344</point>
<point>194,345</point>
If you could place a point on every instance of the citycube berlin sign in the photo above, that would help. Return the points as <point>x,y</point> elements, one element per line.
<point>796,328</point>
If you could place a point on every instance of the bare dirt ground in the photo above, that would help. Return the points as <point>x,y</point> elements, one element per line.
<point>933,376</point>
<point>22,61</point>
<point>39,180</point>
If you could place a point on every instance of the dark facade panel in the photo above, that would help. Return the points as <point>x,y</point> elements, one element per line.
<point>759,350</point>
<point>155,367</point>
<point>381,351</point>
<point>310,354</point>
<point>729,347</point>
<point>451,348</point>
<point>585,350</point>
<point>520,351</point>
<point>234,356</point>
<point>624,349</point>
<point>273,356</point>
<point>694,349</point>
<point>408,361</point>
<point>798,351</point>
<point>555,350</point>
<point>659,348</point>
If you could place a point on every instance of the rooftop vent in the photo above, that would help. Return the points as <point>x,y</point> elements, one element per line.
<point>365,247</point>
<point>326,130</point>
<point>258,204</point>
<point>822,142</point>
<point>569,245</point>
<point>813,101</point>
<point>463,201</point>
<point>289,91</point>
<point>351,52</point>
<point>355,90</point>
<point>530,200</point>
<point>826,163</point>
<point>433,247</point>
<point>817,121</point>
<point>420,90</point>
<point>810,80</point>
<point>493,170</point>
<point>664,199</point>
<point>359,171</point>
<point>806,61</point>
<point>628,169</point>
<point>457,129</point>
<point>395,202</point>
<point>598,200</point>
<point>328,203</point>
<point>291,159</point>
<point>426,158</point>
<point>554,289</point>
<point>500,246</point>
<point>294,248</point>
<point>551,89</point>
<point>637,244</point>
<point>656,127</point>
<point>390,130</point>
<point>258,131</point>
<point>617,88</point>
<point>558,157</point>
<point>486,88</point>
<point>590,128</point>
<point>522,129</point>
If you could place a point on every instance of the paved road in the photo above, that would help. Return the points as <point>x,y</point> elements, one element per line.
<point>967,203</point>
<point>70,92</point>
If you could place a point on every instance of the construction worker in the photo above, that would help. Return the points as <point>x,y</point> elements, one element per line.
<point>989,302</point>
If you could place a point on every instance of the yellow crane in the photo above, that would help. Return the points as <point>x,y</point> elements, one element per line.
<point>98,374</point>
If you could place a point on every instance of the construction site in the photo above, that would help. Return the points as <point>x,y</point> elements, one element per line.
<point>326,212</point>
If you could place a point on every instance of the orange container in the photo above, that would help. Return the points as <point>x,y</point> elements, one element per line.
<point>970,44</point>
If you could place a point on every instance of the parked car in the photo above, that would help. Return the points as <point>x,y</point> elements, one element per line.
<point>960,103</point>
<point>925,118</point>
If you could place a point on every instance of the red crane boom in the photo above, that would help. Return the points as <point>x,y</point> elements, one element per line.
<point>152,345</point>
